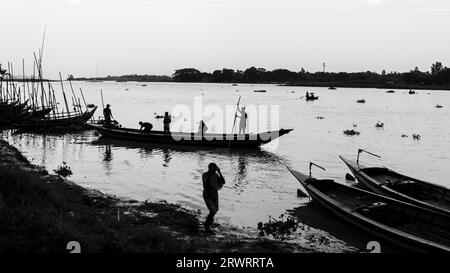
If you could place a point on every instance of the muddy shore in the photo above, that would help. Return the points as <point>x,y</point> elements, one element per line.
<point>42,212</point>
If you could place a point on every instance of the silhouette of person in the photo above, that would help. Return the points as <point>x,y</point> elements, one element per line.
<point>167,120</point>
<point>243,120</point>
<point>107,114</point>
<point>213,181</point>
<point>146,127</point>
<point>202,128</point>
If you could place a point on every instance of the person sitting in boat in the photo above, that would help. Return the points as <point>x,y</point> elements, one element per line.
<point>167,120</point>
<point>213,181</point>
<point>243,120</point>
<point>146,127</point>
<point>202,128</point>
<point>307,95</point>
<point>107,115</point>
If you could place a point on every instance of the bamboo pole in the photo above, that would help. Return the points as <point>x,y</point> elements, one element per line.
<point>81,91</point>
<point>23,78</point>
<point>64,94</point>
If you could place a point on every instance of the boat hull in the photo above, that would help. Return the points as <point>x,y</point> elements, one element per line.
<point>399,238</point>
<point>191,139</point>
<point>361,174</point>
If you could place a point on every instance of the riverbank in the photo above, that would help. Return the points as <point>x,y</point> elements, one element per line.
<point>41,213</point>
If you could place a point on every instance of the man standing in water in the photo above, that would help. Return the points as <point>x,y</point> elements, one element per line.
<point>107,115</point>
<point>243,120</point>
<point>213,181</point>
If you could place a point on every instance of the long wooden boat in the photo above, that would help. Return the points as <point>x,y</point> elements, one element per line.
<point>387,182</point>
<point>193,139</point>
<point>408,226</point>
<point>57,121</point>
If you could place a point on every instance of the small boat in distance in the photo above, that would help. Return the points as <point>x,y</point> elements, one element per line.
<point>260,91</point>
<point>387,182</point>
<point>310,96</point>
<point>191,139</point>
<point>332,88</point>
<point>410,227</point>
<point>412,92</point>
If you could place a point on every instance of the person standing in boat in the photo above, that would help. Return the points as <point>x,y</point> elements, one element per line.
<point>307,95</point>
<point>146,127</point>
<point>243,120</point>
<point>202,128</point>
<point>107,115</point>
<point>213,181</point>
<point>167,120</point>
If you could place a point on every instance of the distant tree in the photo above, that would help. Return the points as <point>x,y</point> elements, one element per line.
<point>187,75</point>
<point>217,76</point>
<point>436,68</point>
<point>227,75</point>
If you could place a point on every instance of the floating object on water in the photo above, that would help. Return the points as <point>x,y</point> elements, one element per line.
<point>361,101</point>
<point>311,97</point>
<point>192,139</point>
<point>416,137</point>
<point>390,91</point>
<point>412,92</point>
<point>403,135</point>
<point>143,85</point>
<point>234,84</point>
<point>332,88</point>
<point>320,117</point>
<point>382,180</point>
<point>355,125</point>
<point>405,225</point>
<point>351,132</point>
<point>439,106</point>
<point>259,91</point>
<point>379,125</point>
<point>349,177</point>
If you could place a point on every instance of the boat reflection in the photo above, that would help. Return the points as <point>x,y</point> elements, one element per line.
<point>240,159</point>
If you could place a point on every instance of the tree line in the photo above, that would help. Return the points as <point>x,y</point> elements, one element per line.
<point>438,75</point>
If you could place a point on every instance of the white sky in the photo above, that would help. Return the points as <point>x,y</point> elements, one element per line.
<point>159,36</point>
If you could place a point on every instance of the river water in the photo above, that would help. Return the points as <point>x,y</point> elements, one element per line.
<point>257,182</point>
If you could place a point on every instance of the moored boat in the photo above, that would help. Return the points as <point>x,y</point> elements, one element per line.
<point>387,182</point>
<point>194,139</point>
<point>61,120</point>
<point>410,227</point>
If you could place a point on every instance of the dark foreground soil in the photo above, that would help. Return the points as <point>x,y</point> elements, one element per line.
<point>42,213</point>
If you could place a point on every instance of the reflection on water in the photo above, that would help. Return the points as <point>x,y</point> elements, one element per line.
<point>257,182</point>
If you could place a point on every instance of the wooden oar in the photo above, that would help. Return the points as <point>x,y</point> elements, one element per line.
<point>235,114</point>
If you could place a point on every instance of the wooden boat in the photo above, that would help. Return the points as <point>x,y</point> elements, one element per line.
<point>312,97</point>
<point>192,139</point>
<point>387,182</point>
<point>61,120</point>
<point>41,112</point>
<point>410,227</point>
